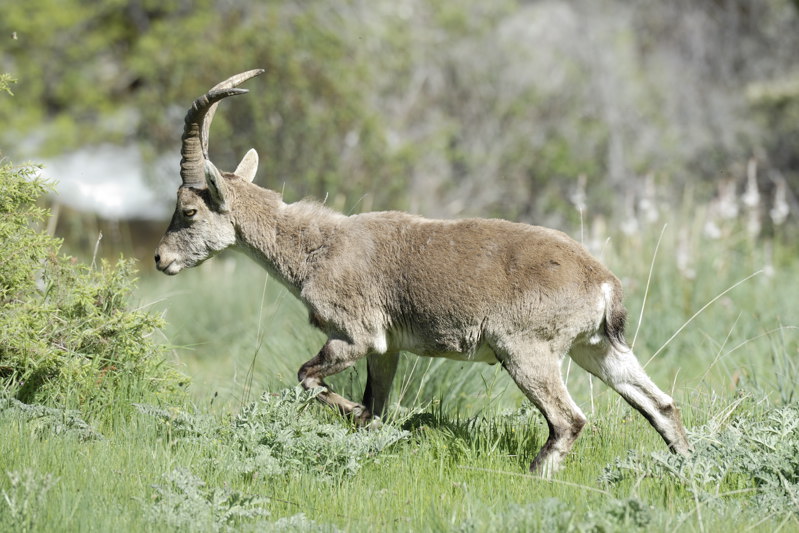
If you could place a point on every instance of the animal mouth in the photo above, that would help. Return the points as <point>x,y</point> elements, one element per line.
<point>171,269</point>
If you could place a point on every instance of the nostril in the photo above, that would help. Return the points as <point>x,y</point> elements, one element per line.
<point>157,258</point>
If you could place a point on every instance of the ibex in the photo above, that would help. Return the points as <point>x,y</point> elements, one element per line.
<point>481,290</point>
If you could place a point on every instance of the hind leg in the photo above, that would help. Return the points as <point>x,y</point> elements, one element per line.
<point>621,371</point>
<point>535,367</point>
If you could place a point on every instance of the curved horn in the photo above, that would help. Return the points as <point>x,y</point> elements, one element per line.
<point>194,150</point>
<point>232,81</point>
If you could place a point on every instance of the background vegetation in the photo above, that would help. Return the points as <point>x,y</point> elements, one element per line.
<point>445,108</point>
<point>662,135</point>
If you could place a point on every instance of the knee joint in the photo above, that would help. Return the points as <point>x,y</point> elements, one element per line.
<point>568,430</point>
<point>305,375</point>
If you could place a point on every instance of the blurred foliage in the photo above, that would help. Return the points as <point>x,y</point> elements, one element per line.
<point>121,70</point>
<point>5,81</point>
<point>445,108</point>
<point>67,336</point>
<point>777,107</point>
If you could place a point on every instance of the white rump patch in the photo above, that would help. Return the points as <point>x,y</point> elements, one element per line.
<point>602,304</point>
<point>380,343</point>
<point>607,292</point>
<point>604,301</point>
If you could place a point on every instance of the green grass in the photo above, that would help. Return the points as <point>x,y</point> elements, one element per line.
<point>461,464</point>
<point>447,475</point>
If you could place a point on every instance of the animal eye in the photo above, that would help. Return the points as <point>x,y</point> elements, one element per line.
<point>188,213</point>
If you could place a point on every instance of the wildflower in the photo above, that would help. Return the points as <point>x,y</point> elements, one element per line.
<point>780,209</point>
<point>578,195</point>
<point>751,200</point>
<point>727,204</point>
<point>751,196</point>
<point>711,228</point>
<point>723,207</point>
<point>647,204</point>
<point>629,225</point>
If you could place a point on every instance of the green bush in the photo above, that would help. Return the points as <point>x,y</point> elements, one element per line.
<point>67,335</point>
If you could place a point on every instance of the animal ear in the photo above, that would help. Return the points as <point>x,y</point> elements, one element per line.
<point>248,166</point>
<point>216,186</point>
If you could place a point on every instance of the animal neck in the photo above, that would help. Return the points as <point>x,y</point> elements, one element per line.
<point>288,240</point>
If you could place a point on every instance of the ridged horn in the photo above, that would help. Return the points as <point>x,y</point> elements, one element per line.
<point>194,150</point>
<point>232,81</point>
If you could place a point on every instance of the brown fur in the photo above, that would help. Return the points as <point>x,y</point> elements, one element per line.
<point>473,289</point>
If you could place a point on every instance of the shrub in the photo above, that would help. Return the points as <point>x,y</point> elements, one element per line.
<point>67,335</point>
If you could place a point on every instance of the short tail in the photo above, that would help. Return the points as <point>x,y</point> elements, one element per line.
<point>615,315</point>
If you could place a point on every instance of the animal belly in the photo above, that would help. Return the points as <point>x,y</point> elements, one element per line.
<point>482,354</point>
<point>456,349</point>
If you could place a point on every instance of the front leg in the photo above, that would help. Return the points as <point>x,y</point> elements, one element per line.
<point>336,355</point>
<point>380,370</point>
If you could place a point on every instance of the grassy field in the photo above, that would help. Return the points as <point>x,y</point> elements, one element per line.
<point>714,319</point>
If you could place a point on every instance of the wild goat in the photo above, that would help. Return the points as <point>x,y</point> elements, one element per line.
<point>481,290</point>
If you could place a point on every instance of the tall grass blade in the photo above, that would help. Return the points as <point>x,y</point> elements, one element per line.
<point>648,283</point>
<point>701,310</point>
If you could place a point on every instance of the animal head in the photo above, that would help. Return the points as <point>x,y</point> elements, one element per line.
<point>202,225</point>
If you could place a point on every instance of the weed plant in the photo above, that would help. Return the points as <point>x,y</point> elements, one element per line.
<point>67,334</point>
<point>279,435</point>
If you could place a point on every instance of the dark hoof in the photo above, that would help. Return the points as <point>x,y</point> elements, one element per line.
<point>362,417</point>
